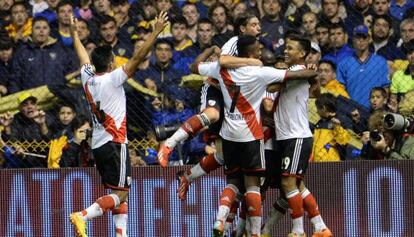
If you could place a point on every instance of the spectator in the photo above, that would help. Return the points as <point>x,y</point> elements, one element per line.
<point>83,31</point>
<point>322,35</point>
<point>160,74</point>
<point>50,13</point>
<point>357,13</point>
<point>331,11</point>
<point>203,7</point>
<point>180,39</point>
<point>407,33</point>
<point>327,79</point>
<point>64,11</point>
<point>136,160</point>
<point>274,25</point>
<point>126,26</point>
<point>66,113</point>
<point>205,33</point>
<point>220,18</point>
<point>399,7</point>
<point>402,80</point>
<point>387,144</point>
<point>314,55</point>
<point>382,8</point>
<point>381,42</point>
<point>378,99</point>
<point>362,71</point>
<point>191,14</point>
<point>5,16</point>
<point>109,35</point>
<point>330,138</point>
<point>309,21</point>
<point>78,153</point>
<point>29,124</point>
<point>6,70</point>
<point>43,61</point>
<point>84,10</point>
<point>38,6</point>
<point>239,9</point>
<point>20,28</point>
<point>295,10</point>
<point>339,44</point>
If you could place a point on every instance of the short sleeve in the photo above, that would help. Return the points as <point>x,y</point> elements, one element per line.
<point>230,47</point>
<point>119,76</point>
<point>272,75</point>
<point>87,72</point>
<point>211,69</point>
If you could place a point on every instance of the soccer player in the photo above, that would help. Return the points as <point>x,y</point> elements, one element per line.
<point>241,132</point>
<point>104,91</point>
<point>294,142</point>
<point>247,24</point>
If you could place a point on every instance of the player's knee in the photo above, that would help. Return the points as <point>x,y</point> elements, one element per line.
<point>122,195</point>
<point>212,114</point>
<point>288,183</point>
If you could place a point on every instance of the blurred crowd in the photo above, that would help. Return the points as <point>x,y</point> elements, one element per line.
<point>364,51</point>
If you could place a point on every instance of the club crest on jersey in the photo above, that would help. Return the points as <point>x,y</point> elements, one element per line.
<point>52,55</point>
<point>129,179</point>
<point>131,29</point>
<point>211,102</point>
<point>121,51</point>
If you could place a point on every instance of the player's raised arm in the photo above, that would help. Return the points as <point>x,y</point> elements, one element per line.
<point>203,57</point>
<point>79,48</point>
<point>160,23</point>
<point>228,61</point>
<point>305,74</point>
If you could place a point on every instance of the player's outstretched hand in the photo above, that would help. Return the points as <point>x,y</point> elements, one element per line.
<point>161,21</point>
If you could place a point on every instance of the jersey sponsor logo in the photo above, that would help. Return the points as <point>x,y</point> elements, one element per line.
<point>211,102</point>
<point>52,55</point>
<point>121,51</point>
<point>237,116</point>
<point>31,59</point>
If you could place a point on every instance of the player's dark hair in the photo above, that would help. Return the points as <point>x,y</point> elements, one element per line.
<point>328,101</point>
<point>101,57</point>
<point>304,43</point>
<point>17,3</point>
<point>338,25</point>
<point>244,45</point>
<point>115,3</point>
<point>242,20</point>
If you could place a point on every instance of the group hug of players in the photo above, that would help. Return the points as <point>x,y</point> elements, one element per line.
<point>258,128</point>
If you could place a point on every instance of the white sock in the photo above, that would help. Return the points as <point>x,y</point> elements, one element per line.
<point>196,172</point>
<point>298,225</point>
<point>222,213</point>
<point>177,137</point>
<point>318,223</point>
<point>241,227</point>
<point>255,224</point>
<point>273,218</point>
<point>121,222</point>
<point>92,211</point>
